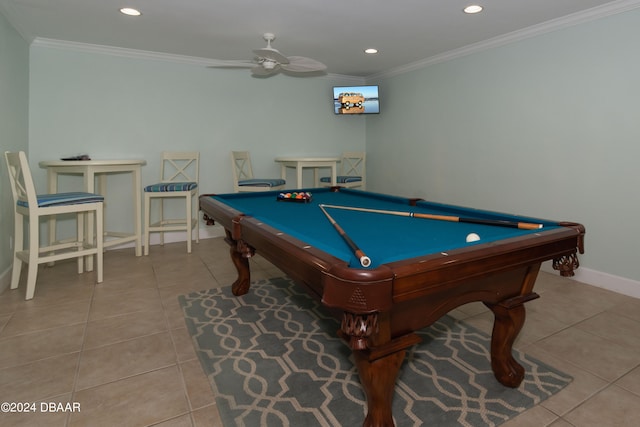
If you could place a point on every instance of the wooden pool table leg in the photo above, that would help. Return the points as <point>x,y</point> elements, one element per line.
<point>509,319</point>
<point>240,254</point>
<point>378,358</point>
<point>378,378</point>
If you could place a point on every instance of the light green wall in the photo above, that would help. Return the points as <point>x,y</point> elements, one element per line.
<point>120,107</point>
<point>14,95</point>
<point>548,126</point>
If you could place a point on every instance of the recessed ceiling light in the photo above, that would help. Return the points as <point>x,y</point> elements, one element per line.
<point>371,51</point>
<point>474,8</point>
<point>130,11</point>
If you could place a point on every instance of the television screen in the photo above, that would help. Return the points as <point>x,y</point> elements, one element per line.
<point>356,100</point>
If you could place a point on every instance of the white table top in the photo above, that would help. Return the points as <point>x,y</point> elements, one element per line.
<point>307,159</point>
<point>102,162</point>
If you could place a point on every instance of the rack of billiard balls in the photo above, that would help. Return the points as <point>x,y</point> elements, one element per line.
<point>296,196</point>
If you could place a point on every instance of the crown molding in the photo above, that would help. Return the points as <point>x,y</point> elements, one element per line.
<point>589,15</point>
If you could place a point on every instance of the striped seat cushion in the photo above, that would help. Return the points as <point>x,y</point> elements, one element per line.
<point>170,186</point>
<point>59,199</point>
<point>257,182</point>
<point>342,179</point>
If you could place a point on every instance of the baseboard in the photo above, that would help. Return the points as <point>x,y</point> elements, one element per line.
<point>607,281</point>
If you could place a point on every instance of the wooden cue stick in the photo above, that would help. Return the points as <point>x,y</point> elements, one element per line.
<point>365,261</point>
<point>501,223</point>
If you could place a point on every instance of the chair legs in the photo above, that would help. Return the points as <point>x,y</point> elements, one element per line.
<point>80,237</point>
<point>188,220</point>
<point>100,244</point>
<point>146,225</point>
<point>165,225</point>
<point>15,274</point>
<point>191,225</point>
<point>35,255</point>
<point>34,247</point>
<point>18,246</point>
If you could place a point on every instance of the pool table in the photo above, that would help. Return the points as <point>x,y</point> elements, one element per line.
<point>420,269</point>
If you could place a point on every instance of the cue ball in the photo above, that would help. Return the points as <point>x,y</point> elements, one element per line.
<point>472,237</point>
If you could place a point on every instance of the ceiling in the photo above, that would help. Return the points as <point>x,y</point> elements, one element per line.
<point>334,32</point>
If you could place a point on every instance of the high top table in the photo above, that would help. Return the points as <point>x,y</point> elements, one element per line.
<point>308,162</point>
<point>90,169</point>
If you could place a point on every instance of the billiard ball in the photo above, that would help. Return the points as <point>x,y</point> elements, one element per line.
<point>472,237</point>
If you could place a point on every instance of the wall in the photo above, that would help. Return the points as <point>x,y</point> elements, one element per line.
<point>547,126</point>
<point>14,94</point>
<point>118,106</point>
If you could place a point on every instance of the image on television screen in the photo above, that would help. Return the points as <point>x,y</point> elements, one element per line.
<point>356,100</point>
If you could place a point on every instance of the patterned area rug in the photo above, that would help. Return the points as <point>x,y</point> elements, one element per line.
<point>273,359</point>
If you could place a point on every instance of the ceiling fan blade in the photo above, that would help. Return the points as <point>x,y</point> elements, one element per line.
<point>233,64</point>
<point>300,64</point>
<point>269,61</point>
<point>272,54</point>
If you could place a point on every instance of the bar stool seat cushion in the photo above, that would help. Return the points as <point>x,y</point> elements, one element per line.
<point>59,199</point>
<point>341,179</point>
<point>258,182</point>
<point>170,186</point>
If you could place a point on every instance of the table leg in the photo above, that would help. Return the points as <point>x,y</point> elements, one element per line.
<point>334,174</point>
<point>240,253</point>
<point>283,171</point>
<point>378,378</point>
<point>52,182</point>
<point>299,176</point>
<point>509,319</point>
<point>378,358</point>
<point>137,197</point>
<point>89,187</point>
<point>80,236</point>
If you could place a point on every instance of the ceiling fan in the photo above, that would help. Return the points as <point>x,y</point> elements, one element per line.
<point>269,61</point>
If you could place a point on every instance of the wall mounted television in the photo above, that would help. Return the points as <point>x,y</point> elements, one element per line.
<point>356,100</point>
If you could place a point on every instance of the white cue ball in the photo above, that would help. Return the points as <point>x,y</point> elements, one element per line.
<point>472,237</point>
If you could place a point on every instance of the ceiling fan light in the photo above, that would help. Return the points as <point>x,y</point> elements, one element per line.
<point>473,8</point>
<point>371,51</point>
<point>130,11</point>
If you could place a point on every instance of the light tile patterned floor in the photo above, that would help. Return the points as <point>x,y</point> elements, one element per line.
<point>121,349</point>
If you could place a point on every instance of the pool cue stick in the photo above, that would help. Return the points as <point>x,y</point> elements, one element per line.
<point>365,261</point>
<point>451,218</point>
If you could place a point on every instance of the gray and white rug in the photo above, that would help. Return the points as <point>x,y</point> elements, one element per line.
<point>273,359</point>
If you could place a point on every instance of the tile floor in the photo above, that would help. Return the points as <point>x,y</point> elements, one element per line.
<point>121,351</point>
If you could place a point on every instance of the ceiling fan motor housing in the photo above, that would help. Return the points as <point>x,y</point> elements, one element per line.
<point>269,64</point>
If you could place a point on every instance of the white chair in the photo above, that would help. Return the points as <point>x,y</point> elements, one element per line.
<point>28,205</point>
<point>352,171</point>
<point>243,179</point>
<point>179,175</point>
